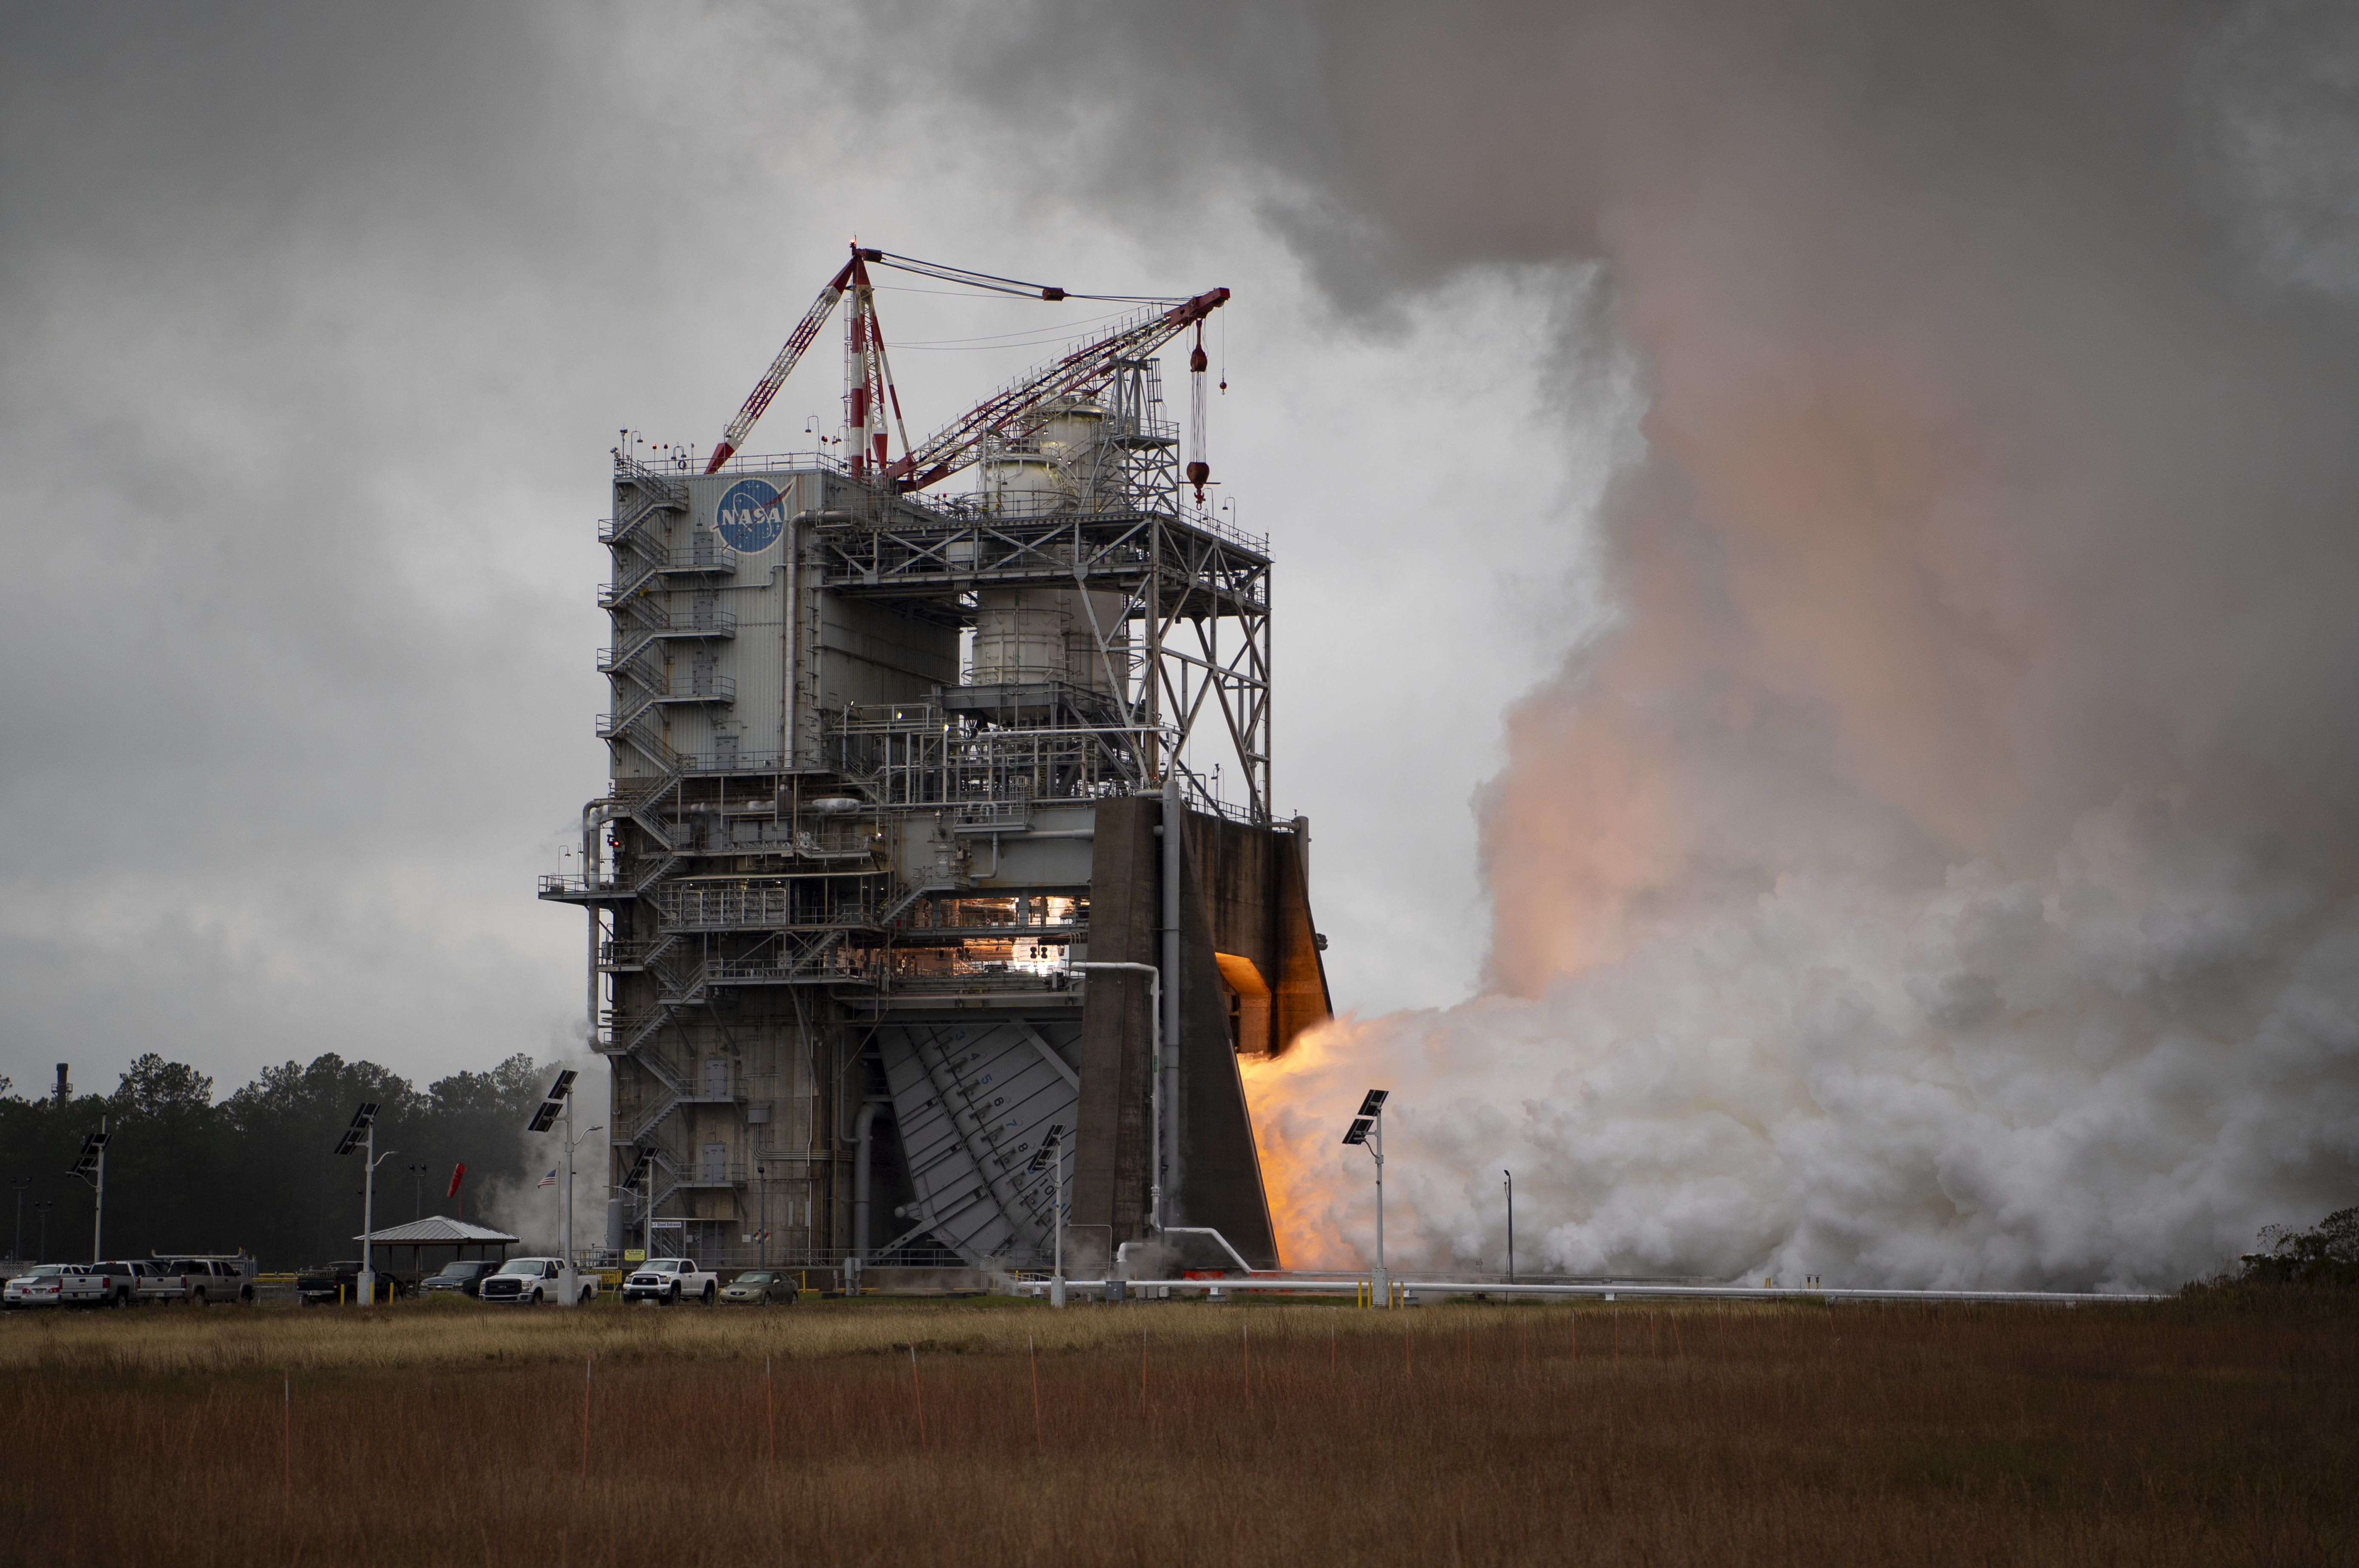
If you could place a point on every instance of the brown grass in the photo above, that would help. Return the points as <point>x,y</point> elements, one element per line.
<point>448,1433</point>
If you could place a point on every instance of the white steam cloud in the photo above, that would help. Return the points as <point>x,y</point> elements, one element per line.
<point>2110,1076</point>
<point>1943,873</point>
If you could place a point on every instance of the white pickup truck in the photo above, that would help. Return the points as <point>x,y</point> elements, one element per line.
<point>670,1280</point>
<point>126,1280</point>
<point>208,1280</point>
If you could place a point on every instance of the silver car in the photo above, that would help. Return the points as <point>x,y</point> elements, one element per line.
<point>42,1286</point>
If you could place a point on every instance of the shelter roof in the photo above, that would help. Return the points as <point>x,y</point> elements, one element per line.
<point>438,1230</point>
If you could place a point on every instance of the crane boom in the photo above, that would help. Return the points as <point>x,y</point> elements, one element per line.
<point>804,335</point>
<point>1014,411</point>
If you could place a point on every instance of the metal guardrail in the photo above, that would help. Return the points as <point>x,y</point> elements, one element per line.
<point>576,885</point>
<point>703,687</point>
<point>1631,1290</point>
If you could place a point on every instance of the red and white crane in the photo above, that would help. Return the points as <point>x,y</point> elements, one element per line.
<point>1013,413</point>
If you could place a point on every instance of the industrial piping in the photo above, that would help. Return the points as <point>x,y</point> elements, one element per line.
<point>1175,1176</point>
<point>864,1134</point>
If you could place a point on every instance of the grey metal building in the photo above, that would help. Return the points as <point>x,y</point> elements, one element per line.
<point>885,766</point>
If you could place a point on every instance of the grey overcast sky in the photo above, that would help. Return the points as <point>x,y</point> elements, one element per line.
<point>319,324</point>
<point>1718,456</point>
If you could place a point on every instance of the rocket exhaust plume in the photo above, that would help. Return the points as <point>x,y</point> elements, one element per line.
<point>1942,872</point>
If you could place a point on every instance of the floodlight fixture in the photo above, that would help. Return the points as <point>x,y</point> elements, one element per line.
<point>358,1133</point>
<point>1368,1131</point>
<point>93,1145</point>
<point>1047,1150</point>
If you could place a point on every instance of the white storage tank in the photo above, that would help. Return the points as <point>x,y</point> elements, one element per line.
<point>1046,471</point>
<point>1020,635</point>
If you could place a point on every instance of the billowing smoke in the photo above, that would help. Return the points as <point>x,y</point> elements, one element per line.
<point>1941,871</point>
<point>2110,1074</point>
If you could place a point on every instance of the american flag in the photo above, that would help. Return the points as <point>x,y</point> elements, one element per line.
<point>549,1180</point>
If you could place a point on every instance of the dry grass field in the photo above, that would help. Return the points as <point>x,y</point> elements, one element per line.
<point>2219,1429</point>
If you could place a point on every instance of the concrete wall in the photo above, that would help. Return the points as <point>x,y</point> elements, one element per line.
<point>1110,1143</point>
<point>1251,885</point>
<point>1243,894</point>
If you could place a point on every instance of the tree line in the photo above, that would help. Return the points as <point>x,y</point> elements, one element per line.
<point>2325,1254</point>
<point>257,1170</point>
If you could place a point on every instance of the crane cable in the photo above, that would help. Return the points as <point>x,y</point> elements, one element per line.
<point>944,273</point>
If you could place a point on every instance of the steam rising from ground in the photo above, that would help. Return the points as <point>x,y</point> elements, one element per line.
<point>2109,1074</point>
<point>1941,870</point>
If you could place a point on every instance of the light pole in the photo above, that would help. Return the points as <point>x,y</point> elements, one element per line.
<point>20,1183</point>
<point>1371,1120</point>
<point>558,1102</point>
<point>417,1192</point>
<point>1052,1152</point>
<point>642,1169</point>
<point>573,1288</point>
<point>361,1135</point>
<point>41,1212</point>
<point>1511,1226</point>
<point>1153,1084</point>
<point>91,1167</point>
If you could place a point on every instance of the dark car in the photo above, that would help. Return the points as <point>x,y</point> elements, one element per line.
<point>341,1283</point>
<point>760,1287</point>
<point>466,1277</point>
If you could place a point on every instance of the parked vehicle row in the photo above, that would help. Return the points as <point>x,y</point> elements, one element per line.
<point>124,1282</point>
<point>201,1281</point>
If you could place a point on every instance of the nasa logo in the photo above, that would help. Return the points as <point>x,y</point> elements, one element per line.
<point>748,516</point>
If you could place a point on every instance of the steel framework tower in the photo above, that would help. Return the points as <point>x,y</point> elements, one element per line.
<point>884,766</point>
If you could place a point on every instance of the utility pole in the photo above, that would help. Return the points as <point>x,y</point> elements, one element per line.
<point>20,1183</point>
<point>1371,1121</point>
<point>41,1212</point>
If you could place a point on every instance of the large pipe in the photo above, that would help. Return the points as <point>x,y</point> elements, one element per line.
<point>1174,1181</point>
<point>1611,1291</point>
<point>864,1134</point>
<point>594,816</point>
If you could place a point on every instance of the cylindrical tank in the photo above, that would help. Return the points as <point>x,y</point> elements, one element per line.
<point>1020,635</point>
<point>1023,637</point>
<point>1043,472</point>
<point>1085,665</point>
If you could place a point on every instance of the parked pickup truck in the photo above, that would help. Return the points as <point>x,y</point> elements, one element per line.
<point>201,1281</point>
<point>129,1280</point>
<point>341,1283</point>
<point>670,1280</point>
<point>532,1280</point>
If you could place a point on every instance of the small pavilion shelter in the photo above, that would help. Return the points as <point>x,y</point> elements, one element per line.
<point>439,1231</point>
